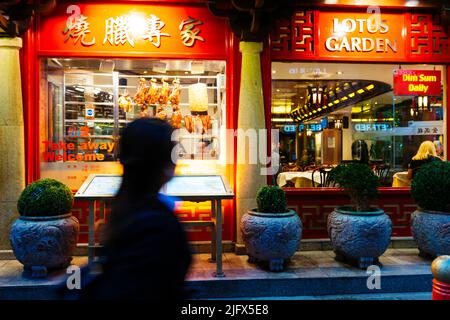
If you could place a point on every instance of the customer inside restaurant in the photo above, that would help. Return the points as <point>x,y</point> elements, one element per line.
<point>330,113</point>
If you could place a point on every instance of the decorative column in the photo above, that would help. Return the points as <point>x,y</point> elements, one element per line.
<point>12,154</point>
<point>251,21</point>
<point>251,119</point>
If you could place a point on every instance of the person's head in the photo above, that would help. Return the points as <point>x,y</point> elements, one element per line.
<point>426,150</point>
<point>145,153</point>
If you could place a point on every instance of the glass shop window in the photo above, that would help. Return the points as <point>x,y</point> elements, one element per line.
<point>328,114</point>
<point>86,103</point>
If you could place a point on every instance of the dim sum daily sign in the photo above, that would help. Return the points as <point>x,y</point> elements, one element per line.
<point>417,82</point>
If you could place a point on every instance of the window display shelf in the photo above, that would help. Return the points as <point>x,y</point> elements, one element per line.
<point>109,119</point>
<point>148,77</point>
<point>90,137</point>
<point>89,85</point>
<point>84,120</point>
<point>89,102</point>
<point>181,87</point>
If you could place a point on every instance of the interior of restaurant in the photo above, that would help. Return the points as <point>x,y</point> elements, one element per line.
<point>333,113</point>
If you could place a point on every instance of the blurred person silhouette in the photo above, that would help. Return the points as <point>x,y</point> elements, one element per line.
<point>360,152</point>
<point>145,254</point>
<point>425,154</point>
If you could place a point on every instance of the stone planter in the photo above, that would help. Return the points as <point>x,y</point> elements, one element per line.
<point>359,237</point>
<point>271,237</point>
<point>44,243</point>
<point>431,231</point>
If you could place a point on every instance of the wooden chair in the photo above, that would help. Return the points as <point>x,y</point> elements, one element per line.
<point>324,181</point>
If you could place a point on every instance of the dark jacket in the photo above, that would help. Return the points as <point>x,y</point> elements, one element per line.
<point>415,165</point>
<point>146,256</point>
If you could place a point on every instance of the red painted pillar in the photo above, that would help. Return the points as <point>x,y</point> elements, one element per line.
<point>441,282</point>
<point>447,153</point>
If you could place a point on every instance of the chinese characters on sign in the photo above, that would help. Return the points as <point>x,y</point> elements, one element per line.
<point>189,33</point>
<point>125,29</point>
<point>78,28</point>
<point>433,130</point>
<point>426,127</point>
<point>117,31</point>
<point>153,31</point>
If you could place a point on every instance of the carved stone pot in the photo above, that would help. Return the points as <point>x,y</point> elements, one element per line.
<point>271,237</point>
<point>359,237</point>
<point>44,243</point>
<point>431,231</point>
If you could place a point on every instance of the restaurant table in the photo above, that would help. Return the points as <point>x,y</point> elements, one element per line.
<point>400,179</point>
<point>301,179</point>
<point>98,189</point>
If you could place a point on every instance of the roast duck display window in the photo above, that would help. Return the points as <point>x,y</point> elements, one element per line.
<point>153,100</point>
<point>91,105</point>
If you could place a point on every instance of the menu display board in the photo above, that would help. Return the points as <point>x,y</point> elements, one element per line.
<point>195,185</point>
<point>107,185</point>
<point>101,185</point>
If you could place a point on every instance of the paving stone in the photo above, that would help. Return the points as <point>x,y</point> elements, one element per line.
<point>308,274</point>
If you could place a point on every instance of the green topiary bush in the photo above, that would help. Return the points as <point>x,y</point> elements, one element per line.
<point>45,197</point>
<point>430,187</point>
<point>359,181</point>
<point>271,199</point>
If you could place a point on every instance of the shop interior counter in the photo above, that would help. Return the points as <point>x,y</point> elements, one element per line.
<point>100,188</point>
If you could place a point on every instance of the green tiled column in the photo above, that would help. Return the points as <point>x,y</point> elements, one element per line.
<point>250,116</point>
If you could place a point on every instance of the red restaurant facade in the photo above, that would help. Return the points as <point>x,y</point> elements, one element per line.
<point>54,51</point>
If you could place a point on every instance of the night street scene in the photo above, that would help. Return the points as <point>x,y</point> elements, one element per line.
<point>224,159</point>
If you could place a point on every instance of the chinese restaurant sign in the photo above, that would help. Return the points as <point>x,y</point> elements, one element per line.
<point>417,83</point>
<point>361,35</point>
<point>426,127</point>
<point>118,29</point>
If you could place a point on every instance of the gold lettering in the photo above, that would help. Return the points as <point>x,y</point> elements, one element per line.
<point>345,45</point>
<point>369,41</point>
<point>391,45</point>
<point>372,25</point>
<point>356,44</point>
<point>331,44</point>
<point>424,78</point>
<point>409,77</point>
<point>384,28</point>
<point>380,44</point>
